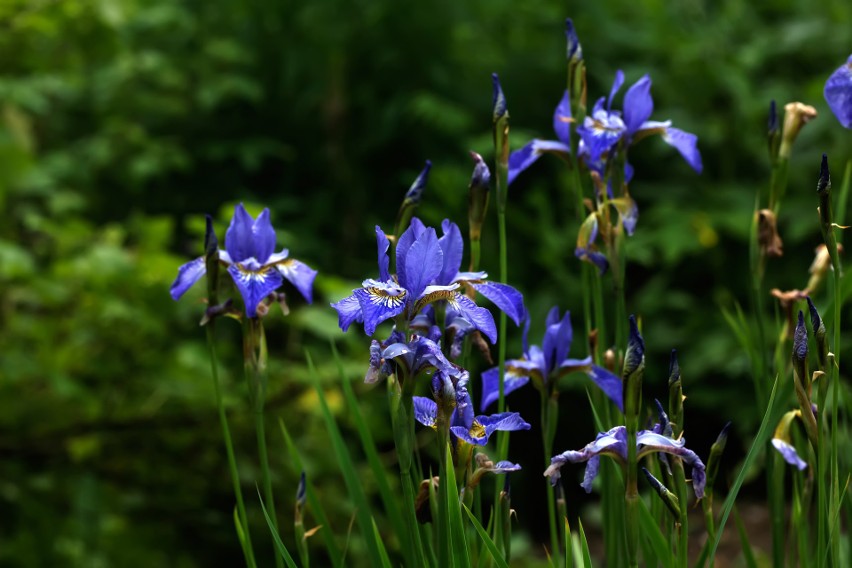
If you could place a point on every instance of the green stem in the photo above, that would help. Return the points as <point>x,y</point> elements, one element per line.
<point>267,480</point>
<point>548,431</point>
<point>683,528</point>
<point>229,447</point>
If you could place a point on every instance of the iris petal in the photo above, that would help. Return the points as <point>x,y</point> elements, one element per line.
<point>562,119</point>
<point>617,82</point>
<point>452,246</point>
<point>263,237</point>
<point>254,282</point>
<point>509,300</point>
<point>383,246</point>
<point>484,426</point>
<point>520,160</point>
<point>838,93</point>
<point>408,238</point>
<point>425,411</point>
<point>348,311</point>
<point>481,318</point>
<point>791,456</point>
<point>686,144</point>
<point>609,383</point>
<point>379,302</point>
<point>299,275</point>
<point>638,104</point>
<point>188,274</point>
<point>238,237</point>
<point>491,383</point>
<point>423,263</point>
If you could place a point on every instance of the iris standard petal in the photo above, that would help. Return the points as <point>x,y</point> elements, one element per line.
<point>383,245</point>
<point>423,263</point>
<point>562,119</point>
<point>481,318</point>
<point>557,339</point>
<point>238,238</point>
<point>513,380</point>
<point>254,282</point>
<point>348,311</point>
<point>509,300</point>
<point>609,383</point>
<point>379,301</point>
<point>263,237</point>
<point>617,82</point>
<point>408,238</point>
<point>838,93</point>
<point>188,274</point>
<point>638,105</point>
<point>687,145</point>
<point>789,453</point>
<point>452,247</point>
<point>299,275</point>
<point>425,411</point>
<point>600,133</point>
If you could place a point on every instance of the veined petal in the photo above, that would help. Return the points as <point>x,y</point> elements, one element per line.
<point>299,275</point>
<point>638,104</point>
<point>428,355</point>
<point>562,119</point>
<point>379,301</point>
<point>600,133</point>
<point>423,263</point>
<point>484,426</point>
<point>254,282</point>
<point>686,144</point>
<point>408,238</point>
<point>509,300</point>
<point>188,274</point>
<point>612,442</point>
<point>452,246</point>
<point>789,453</point>
<point>609,383</point>
<point>383,245</point>
<point>513,380</point>
<point>463,412</point>
<point>481,318</point>
<point>435,294</point>
<point>425,411</point>
<point>521,159</point>
<point>263,237</point>
<point>348,311</point>
<point>838,93</point>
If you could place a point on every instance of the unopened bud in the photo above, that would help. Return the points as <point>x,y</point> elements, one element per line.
<point>634,358</point>
<point>479,190</point>
<point>669,499</point>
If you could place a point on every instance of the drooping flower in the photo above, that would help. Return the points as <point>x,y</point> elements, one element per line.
<point>255,267</point>
<point>546,364</point>
<point>838,93</point>
<point>613,443</point>
<point>427,272</point>
<point>474,430</point>
<point>782,441</point>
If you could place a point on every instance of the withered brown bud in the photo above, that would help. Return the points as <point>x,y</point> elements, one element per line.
<point>787,300</point>
<point>796,115</point>
<point>820,266</point>
<point>768,239</point>
<point>422,510</point>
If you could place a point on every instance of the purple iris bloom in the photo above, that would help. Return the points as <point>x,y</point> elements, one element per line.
<point>605,127</point>
<point>427,272</point>
<point>614,444</point>
<point>414,356</point>
<point>838,93</point>
<point>520,160</point>
<point>256,269</point>
<point>464,425</point>
<point>546,364</point>
<point>789,453</point>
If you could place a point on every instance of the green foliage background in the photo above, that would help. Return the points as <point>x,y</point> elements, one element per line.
<point>123,121</point>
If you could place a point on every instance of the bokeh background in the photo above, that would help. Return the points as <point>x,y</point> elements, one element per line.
<point>122,122</point>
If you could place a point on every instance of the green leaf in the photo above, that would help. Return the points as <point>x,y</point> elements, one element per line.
<point>381,546</point>
<point>460,556</point>
<point>486,540</point>
<point>282,550</point>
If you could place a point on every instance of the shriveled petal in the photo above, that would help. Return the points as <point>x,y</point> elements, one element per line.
<point>188,274</point>
<point>628,212</point>
<point>425,411</point>
<point>374,370</point>
<point>838,93</point>
<point>423,263</point>
<point>299,275</point>
<point>513,380</point>
<point>789,453</point>
<point>521,159</point>
<point>379,301</point>
<point>481,318</point>
<point>504,467</point>
<point>687,145</point>
<point>562,119</point>
<point>609,383</point>
<point>254,282</point>
<point>509,300</point>
<point>383,245</point>
<point>613,442</point>
<point>593,256</point>
<point>649,442</point>
<point>406,240</point>
<point>348,311</point>
<point>638,104</point>
<point>452,246</point>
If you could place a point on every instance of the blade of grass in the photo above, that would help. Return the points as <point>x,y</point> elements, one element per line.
<point>381,546</point>
<point>461,559</point>
<point>317,509</point>
<point>347,467</point>
<point>760,440</point>
<point>587,556</point>
<point>279,545</point>
<point>486,540</point>
<point>748,554</point>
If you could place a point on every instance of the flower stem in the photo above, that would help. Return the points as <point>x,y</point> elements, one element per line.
<point>229,446</point>
<point>549,410</point>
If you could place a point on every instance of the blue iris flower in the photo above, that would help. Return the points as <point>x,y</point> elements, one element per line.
<point>257,270</point>
<point>427,272</point>
<point>545,364</point>
<point>613,443</point>
<point>838,93</point>
<point>464,425</point>
<point>413,356</point>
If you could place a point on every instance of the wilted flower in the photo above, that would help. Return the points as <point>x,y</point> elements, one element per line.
<point>256,269</point>
<point>838,93</point>
<point>614,444</point>
<point>781,440</point>
<point>768,238</point>
<point>796,115</point>
<point>547,364</point>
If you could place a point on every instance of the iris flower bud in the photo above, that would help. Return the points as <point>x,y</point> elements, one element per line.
<point>478,196</point>
<point>796,115</point>
<point>716,451</point>
<point>669,499</point>
<point>819,334</point>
